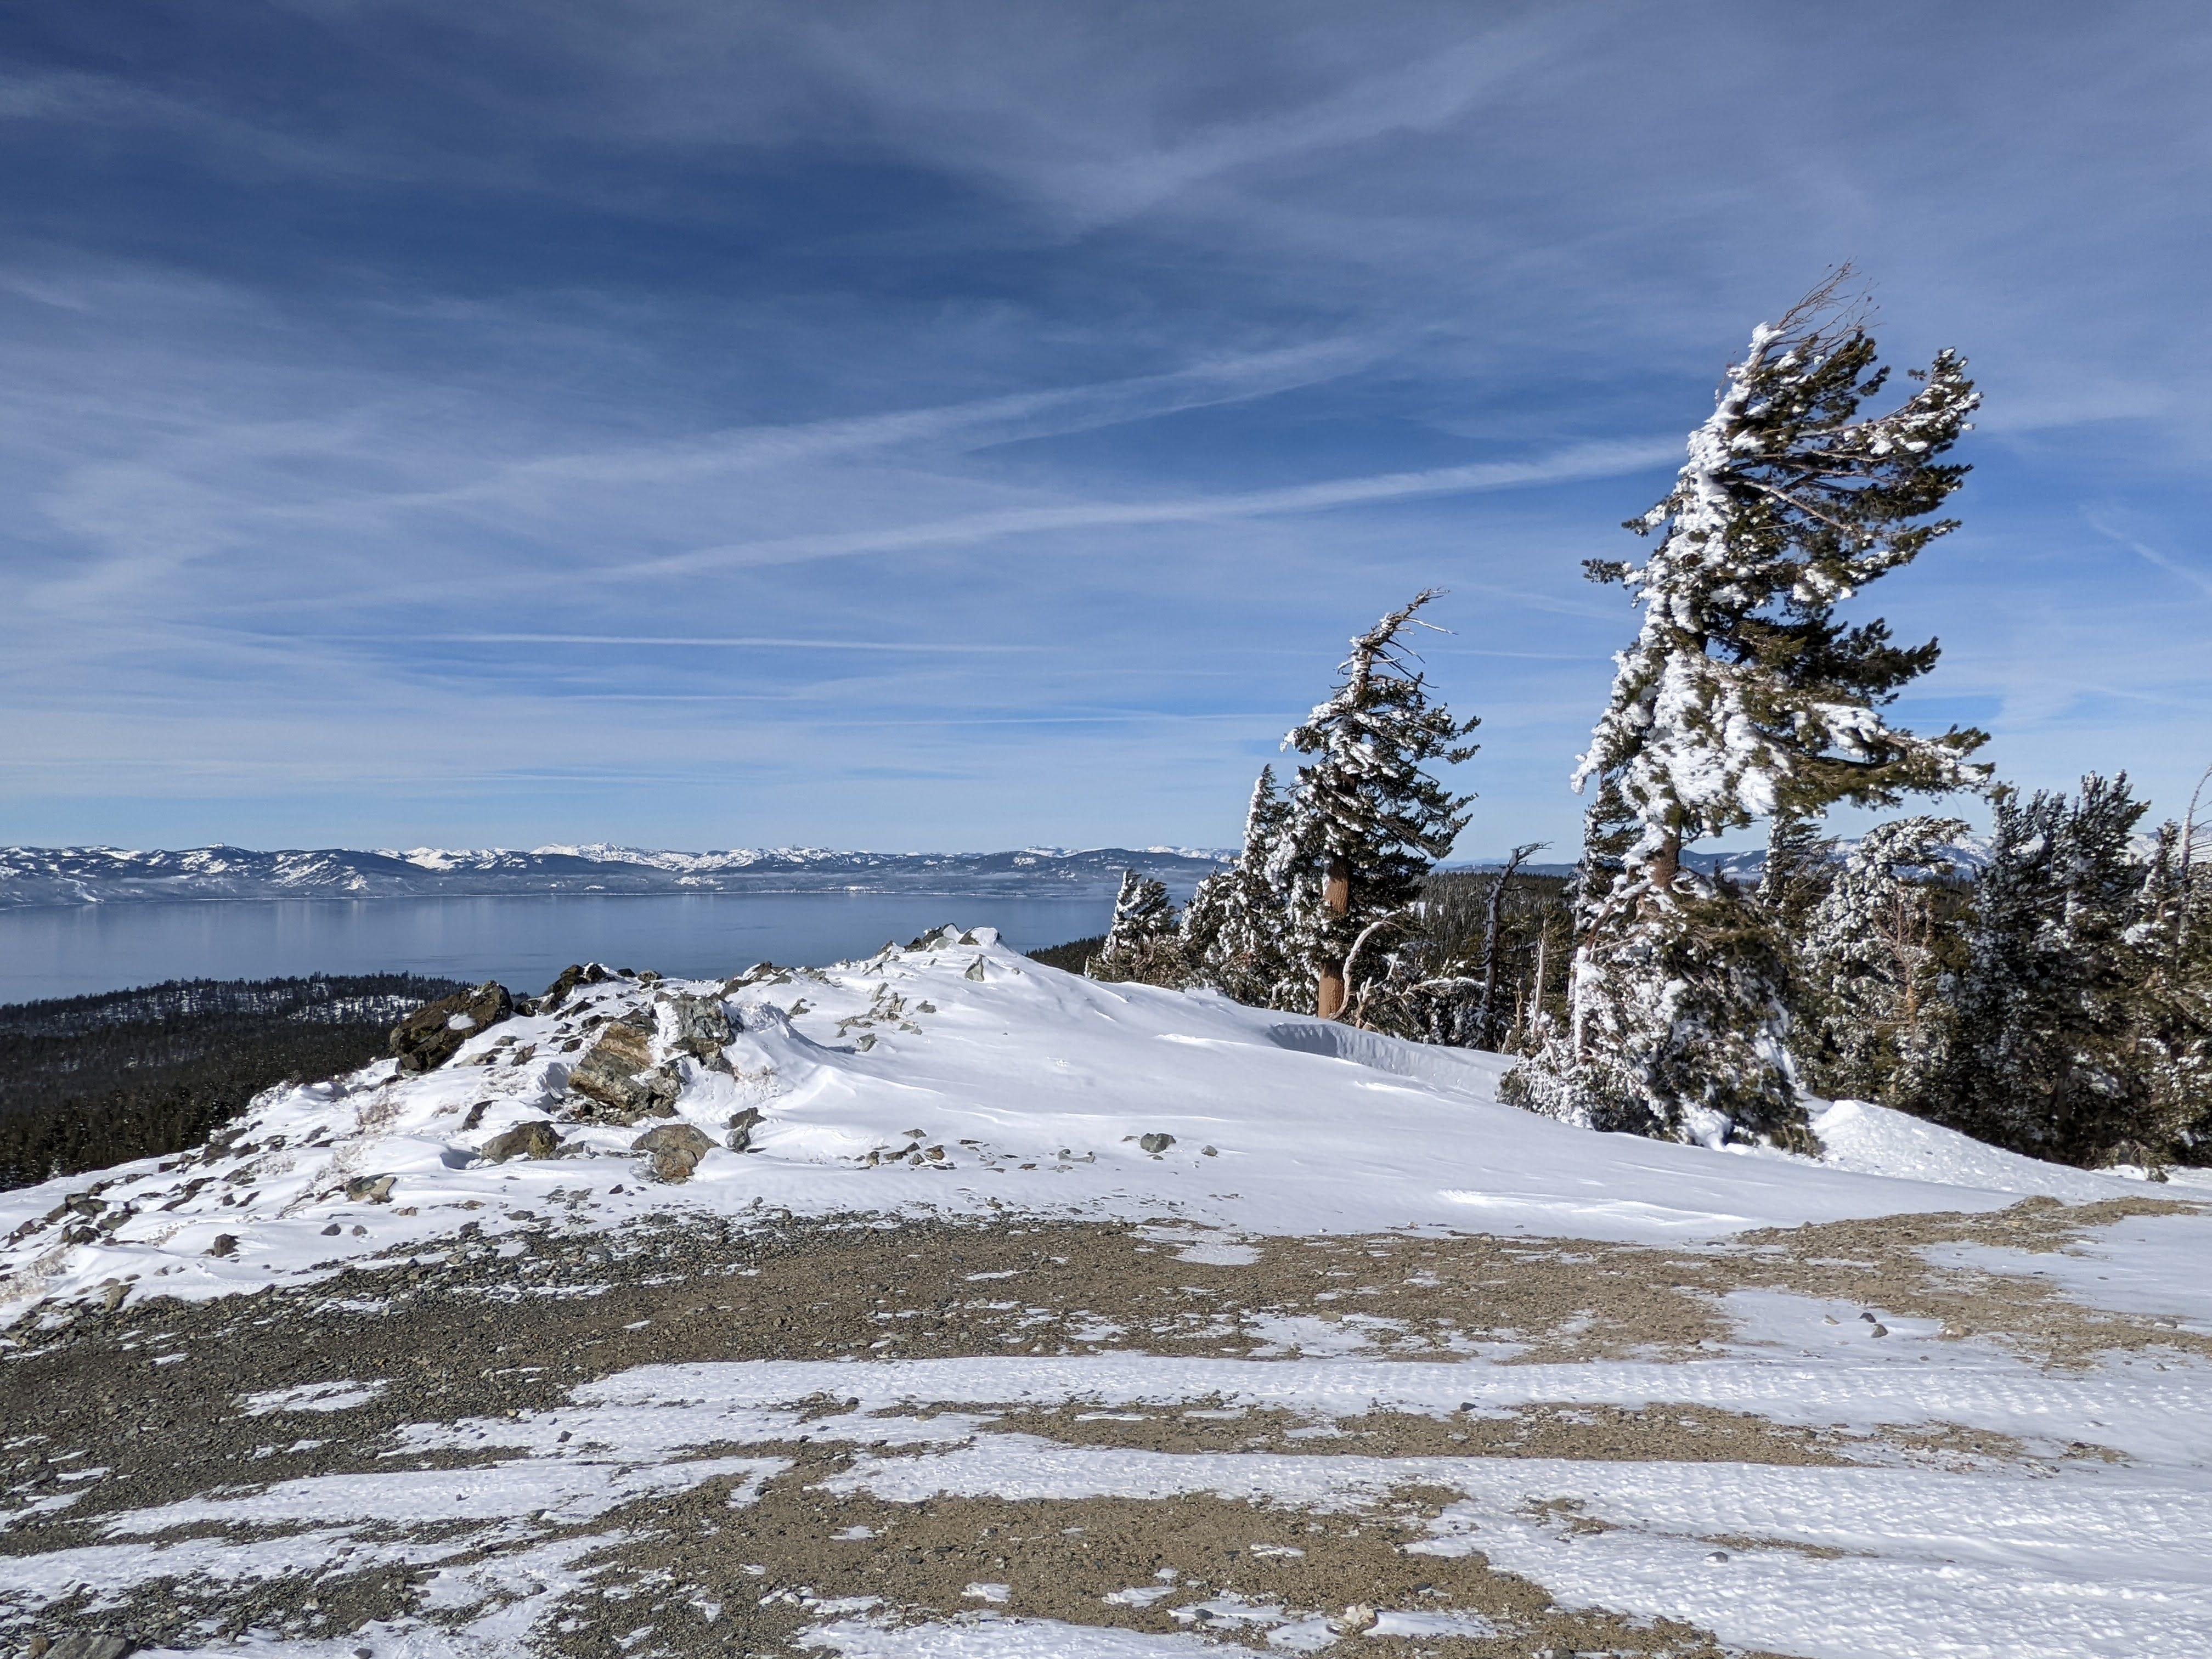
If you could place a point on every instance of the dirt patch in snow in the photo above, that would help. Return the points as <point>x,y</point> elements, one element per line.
<point>1582,1431</point>
<point>1234,1570</point>
<point>1883,1264</point>
<point>170,1402</point>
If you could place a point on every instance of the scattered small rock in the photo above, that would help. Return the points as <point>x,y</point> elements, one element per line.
<point>333,1231</point>
<point>1156,1143</point>
<point>742,1125</point>
<point>370,1189</point>
<point>223,1244</point>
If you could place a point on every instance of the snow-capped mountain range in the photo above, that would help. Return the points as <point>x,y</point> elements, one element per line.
<point>40,876</point>
<point>1744,865</point>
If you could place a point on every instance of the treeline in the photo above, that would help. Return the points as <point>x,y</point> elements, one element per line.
<point>2060,1003</point>
<point>87,1082</point>
<point>1073,958</point>
<point>2056,1000</point>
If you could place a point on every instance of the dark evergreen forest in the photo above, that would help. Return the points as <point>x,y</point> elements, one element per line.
<point>86,1082</point>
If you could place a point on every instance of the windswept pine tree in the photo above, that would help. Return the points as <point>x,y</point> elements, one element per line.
<point>1234,927</point>
<point>1742,696</point>
<point>1143,942</point>
<point>1872,962</point>
<point>1365,822</point>
<point>1799,869</point>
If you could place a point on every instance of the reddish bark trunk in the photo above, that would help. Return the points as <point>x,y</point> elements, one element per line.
<point>1336,894</point>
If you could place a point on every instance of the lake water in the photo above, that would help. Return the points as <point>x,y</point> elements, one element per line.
<point>521,942</point>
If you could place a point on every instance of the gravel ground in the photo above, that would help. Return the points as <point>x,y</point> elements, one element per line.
<point>150,1408</point>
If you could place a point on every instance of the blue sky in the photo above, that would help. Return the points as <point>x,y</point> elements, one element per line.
<point>969,425</point>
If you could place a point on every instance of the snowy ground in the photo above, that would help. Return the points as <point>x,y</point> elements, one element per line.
<point>1043,1317</point>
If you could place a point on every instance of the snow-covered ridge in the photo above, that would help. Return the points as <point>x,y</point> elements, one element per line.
<point>34,876</point>
<point>955,1076</point>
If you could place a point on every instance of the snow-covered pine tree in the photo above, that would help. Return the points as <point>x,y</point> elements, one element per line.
<point>1742,696</point>
<point>1364,823</point>
<point>1143,942</point>
<point>1233,927</point>
<point>2174,1005</point>
<point>1799,868</point>
<point>2043,1054</point>
<point>1871,962</point>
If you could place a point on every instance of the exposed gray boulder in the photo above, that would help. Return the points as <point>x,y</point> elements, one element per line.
<point>620,1082</point>
<point>674,1150</point>
<point>92,1645</point>
<point>536,1138</point>
<point>742,1125</point>
<point>223,1244</point>
<point>702,1027</point>
<point>370,1189</point>
<point>434,1033</point>
<point>1156,1143</point>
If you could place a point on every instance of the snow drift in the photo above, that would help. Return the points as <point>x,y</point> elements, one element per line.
<point>953,1076</point>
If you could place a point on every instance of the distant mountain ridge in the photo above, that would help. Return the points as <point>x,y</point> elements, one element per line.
<point>1746,865</point>
<point>52,876</point>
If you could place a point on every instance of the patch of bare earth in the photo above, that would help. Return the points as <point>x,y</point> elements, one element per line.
<point>150,1395</point>
<point>1884,1263</point>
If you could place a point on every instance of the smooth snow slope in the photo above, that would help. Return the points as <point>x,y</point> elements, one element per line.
<point>1031,1087</point>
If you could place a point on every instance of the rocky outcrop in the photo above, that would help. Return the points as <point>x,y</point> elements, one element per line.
<point>537,1139</point>
<point>619,1082</point>
<point>702,1029</point>
<point>576,974</point>
<point>674,1151</point>
<point>434,1033</point>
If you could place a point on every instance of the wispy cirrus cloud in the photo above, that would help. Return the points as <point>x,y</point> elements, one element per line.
<point>1576,462</point>
<point>783,404</point>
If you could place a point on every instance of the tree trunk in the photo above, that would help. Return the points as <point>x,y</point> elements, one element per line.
<point>1486,1014</point>
<point>1336,894</point>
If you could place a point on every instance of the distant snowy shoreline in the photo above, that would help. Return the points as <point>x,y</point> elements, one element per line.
<point>51,877</point>
<point>33,878</point>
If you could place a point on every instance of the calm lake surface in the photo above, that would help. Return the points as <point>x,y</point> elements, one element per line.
<point>521,942</point>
